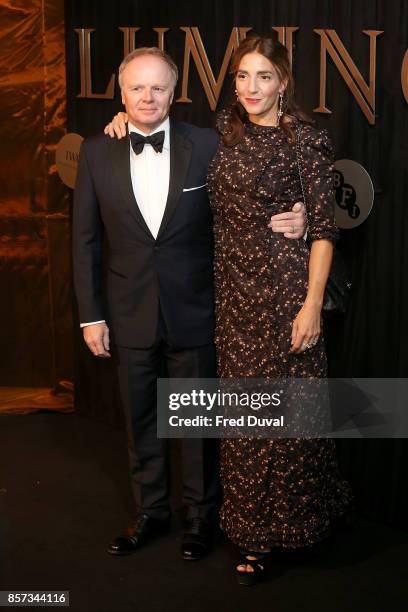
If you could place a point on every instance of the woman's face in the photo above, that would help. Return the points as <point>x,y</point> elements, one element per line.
<point>258,87</point>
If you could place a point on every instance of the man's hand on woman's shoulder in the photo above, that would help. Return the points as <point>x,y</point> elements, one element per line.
<point>291,224</point>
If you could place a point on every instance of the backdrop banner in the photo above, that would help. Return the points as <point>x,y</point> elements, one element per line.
<point>350,64</point>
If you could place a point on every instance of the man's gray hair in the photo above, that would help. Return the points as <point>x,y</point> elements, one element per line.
<point>156,52</point>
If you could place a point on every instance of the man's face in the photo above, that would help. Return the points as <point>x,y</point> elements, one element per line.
<point>147,91</point>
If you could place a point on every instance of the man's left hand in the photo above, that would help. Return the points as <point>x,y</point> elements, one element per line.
<point>291,224</point>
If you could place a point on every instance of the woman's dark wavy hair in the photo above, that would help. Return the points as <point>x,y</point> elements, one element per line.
<point>277,54</point>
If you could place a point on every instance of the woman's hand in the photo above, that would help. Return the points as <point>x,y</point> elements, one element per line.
<point>117,127</point>
<point>305,328</point>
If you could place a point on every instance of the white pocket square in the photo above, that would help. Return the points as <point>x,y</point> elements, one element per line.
<point>194,188</point>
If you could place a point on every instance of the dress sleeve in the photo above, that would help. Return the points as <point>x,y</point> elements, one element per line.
<point>316,164</point>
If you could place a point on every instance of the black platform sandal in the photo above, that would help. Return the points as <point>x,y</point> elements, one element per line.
<point>258,565</point>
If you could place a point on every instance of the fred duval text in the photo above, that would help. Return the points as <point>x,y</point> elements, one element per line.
<point>249,420</point>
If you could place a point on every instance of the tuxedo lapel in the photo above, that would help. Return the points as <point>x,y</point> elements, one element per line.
<point>180,155</point>
<point>121,164</point>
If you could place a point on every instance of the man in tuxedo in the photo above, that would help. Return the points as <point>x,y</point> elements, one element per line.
<point>145,195</point>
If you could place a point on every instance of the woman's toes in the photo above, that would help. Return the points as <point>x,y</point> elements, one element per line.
<point>245,568</point>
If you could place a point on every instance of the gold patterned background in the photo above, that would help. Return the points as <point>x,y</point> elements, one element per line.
<point>35,311</point>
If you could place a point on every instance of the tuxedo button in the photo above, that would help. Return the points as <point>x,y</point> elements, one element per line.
<point>156,248</point>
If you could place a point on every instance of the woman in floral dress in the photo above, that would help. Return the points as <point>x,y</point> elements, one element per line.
<point>269,291</point>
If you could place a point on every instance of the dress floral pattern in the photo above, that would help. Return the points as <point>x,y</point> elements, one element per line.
<point>276,492</point>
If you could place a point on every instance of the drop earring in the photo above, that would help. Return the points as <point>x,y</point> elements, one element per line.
<point>280,107</point>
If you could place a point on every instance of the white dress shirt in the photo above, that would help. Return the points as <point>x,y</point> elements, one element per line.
<point>150,174</point>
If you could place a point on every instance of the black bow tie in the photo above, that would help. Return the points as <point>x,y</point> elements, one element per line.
<point>138,141</point>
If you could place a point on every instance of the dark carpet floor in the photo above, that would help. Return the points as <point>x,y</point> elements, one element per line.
<point>64,493</point>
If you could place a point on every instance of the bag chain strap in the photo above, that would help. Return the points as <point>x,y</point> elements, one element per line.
<point>298,156</point>
<point>298,162</point>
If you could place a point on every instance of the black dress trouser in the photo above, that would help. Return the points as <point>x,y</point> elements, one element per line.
<point>138,370</point>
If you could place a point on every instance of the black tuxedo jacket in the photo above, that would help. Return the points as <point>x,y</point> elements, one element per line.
<point>175,270</point>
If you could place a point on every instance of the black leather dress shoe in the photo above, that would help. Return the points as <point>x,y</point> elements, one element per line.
<point>197,539</point>
<point>137,534</point>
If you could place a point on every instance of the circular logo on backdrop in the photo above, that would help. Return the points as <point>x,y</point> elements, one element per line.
<point>354,193</point>
<point>66,158</point>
